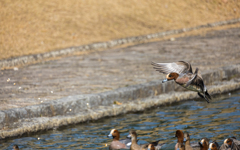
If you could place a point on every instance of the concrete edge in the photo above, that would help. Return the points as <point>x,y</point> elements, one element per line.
<point>80,108</point>
<point>103,45</point>
<point>44,123</point>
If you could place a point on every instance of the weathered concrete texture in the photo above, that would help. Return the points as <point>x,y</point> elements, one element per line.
<point>99,79</point>
<point>80,108</point>
<point>39,57</point>
<point>108,70</point>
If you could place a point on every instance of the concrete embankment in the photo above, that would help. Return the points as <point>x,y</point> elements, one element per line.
<point>80,108</point>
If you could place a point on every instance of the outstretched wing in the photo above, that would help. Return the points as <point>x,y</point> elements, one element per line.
<point>199,82</point>
<point>177,67</point>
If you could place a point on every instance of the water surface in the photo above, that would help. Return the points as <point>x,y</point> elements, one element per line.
<point>218,120</point>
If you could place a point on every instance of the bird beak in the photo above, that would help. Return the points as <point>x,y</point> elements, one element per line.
<point>165,80</point>
<point>129,136</point>
<point>110,135</point>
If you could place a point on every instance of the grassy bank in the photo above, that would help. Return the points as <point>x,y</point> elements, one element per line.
<point>31,27</point>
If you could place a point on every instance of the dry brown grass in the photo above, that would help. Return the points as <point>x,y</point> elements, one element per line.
<point>30,27</point>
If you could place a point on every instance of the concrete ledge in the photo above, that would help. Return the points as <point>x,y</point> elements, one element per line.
<point>80,108</point>
<point>103,45</point>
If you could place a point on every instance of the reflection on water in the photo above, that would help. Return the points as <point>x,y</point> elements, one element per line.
<point>217,120</point>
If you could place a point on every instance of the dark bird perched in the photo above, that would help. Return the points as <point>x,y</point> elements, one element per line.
<point>181,73</point>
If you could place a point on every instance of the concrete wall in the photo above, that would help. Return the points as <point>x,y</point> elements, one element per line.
<point>80,108</point>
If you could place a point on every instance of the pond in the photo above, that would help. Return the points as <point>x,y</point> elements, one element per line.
<point>218,120</point>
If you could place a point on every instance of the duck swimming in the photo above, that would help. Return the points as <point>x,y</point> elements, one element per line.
<point>191,146</point>
<point>213,146</point>
<point>152,146</point>
<point>15,147</point>
<point>185,138</point>
<point>180,137</point>
<point>235,141</point>
<point>135,146</point>
<point>229,144</point>
<point>187,141</point>
<point>181,73</point>
<point>204,144</point>
<point>116,143</point>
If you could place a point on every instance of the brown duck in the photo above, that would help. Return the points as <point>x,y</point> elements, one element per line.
<point>180,137</point>
<point>181,73</point>
<point>116,142</point>
<point>229,144</point>
<point>213,146</point>
<point>154,145</point>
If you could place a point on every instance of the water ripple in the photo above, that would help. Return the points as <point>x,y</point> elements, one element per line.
<point>218,120</point>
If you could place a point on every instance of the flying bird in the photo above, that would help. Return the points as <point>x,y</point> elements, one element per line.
<point>181,73</point>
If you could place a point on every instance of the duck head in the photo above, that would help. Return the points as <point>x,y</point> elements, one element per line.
<point>204,143</point>
<point>132,135</point>
<point>151,147</point>
<point>186,137</point>
<point>171,76</point>
<point>228,142</point>
<point>180,136</point>
<point>15,147</point>
<point>114,134</point>
<point>213,146</point>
